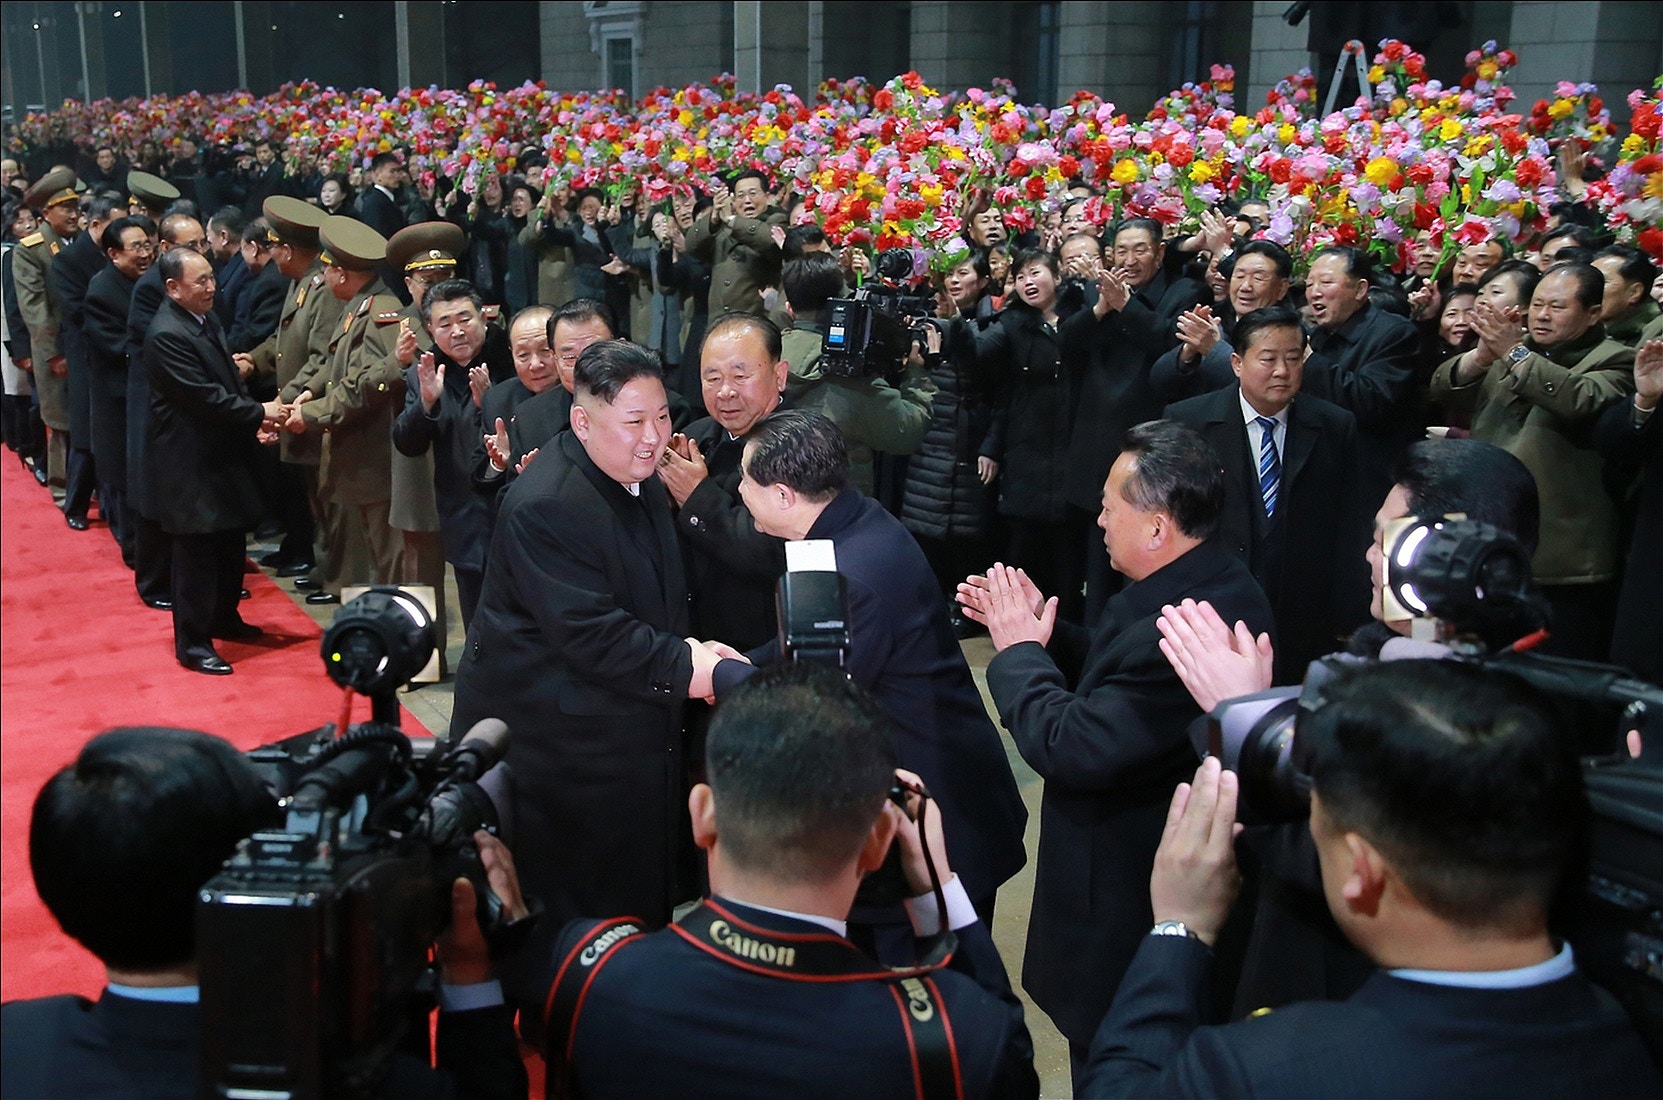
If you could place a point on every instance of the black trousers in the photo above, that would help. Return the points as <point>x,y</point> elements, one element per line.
<point>207,578</point>
<point>294,512</point>
<point>152,557</point>
<point>80,479</point>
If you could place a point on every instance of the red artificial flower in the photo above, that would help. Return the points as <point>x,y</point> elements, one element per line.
<point>1651,242</point>
<point>1646,122</point>
<point>1035,187</point>
<point>1646,165</point>
<point>1281,170</point>
<point>1345,233</point>
<point>1068,166</point>
<point>883,99</point>
<point>1180,155</point>
<point>912,81</point>
<point>1595,105</point>
<point>1018,168</point>
<point>914,142</point>
<point>1528,174</point>
<point>1420,174</point>
<point>1514,142</point>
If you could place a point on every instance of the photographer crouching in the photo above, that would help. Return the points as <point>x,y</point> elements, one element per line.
<point>757,992</point>
<point>1445,809</point>
<point>121,843</point>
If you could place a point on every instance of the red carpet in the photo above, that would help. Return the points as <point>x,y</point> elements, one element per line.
<point>80,653</point>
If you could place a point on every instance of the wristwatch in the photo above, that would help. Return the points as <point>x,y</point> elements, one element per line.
<point>1174,928</point>
<point>1518,353</point>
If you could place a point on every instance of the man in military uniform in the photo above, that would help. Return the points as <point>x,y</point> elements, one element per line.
<point>311,315</point>
<point>57,200</point>
<point>149,195</point>
<point>352,400</point>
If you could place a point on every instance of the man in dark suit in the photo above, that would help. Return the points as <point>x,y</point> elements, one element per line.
<point>121,841</point>
<point>902,648</point>
<point>1292,507</point>
<point>1133,321</point>
<point>793,814</point>
<point>1102,716</point>
<point>734,566</point>
<point>131,247</point>
<point>201,438</point>
<point>261,304</point>
<point>518,425</point>
<point>1446,809</point>
<point>152,548</point>
<point>580,645</point>
<point>269,178</point>
<point>378,203</point>
<point>70,276</point>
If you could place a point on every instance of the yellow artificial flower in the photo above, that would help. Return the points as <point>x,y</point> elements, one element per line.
<point>1449,129</point>
<point>1286,133</point>
<point>1561,108</point>
<point>1633,143</point>
<point>1654,186</point>
<point>1125,171</point>
<point>1380,171</point>
<point>1377,73</point>
<point>1201,171</point>
<point>1240,125</point>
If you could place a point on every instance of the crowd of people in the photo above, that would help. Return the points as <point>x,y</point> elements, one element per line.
<point>1152,463</point>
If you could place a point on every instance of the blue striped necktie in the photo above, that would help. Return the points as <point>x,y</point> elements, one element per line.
<point>1270,464</point>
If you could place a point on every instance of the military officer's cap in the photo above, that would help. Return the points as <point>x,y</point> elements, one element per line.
<point>426,245</point>
<point>153,193</point>
<point>290,221</point>
<point>54,187</point>
<point>349,243</point>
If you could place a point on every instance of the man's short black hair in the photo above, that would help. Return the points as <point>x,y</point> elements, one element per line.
<point>1583,235</point>
<point>1358,265</point>
<point>451,290</point>
<point>749,174</point>
<point>230,219</point>
<point>760,327</point>
<point>811,281</point>
<point>102,205</point>
<point>800,759</point>
<point>802,450</point>
<point>259,141</point>
<point>1445,476</point>
<point>1176,472</point>
<point>607,366</point>
<point>1590,281</point>
<point>1460,776</point>
<point>381,160</point>
<point>580,310</point>
<point>1147,225</point>
<point>1271,250</point>
<point>121,840</point>
<point>111,240</point>
<point>799,239</point>
<point>1259,320</point>
<point>1636,266</point>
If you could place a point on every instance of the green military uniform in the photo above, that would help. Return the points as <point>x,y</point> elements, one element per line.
<point>31,261</point>
<point>744,259</point>
<point>1629,330</point>
<point>354,402</point>
<point>149,195</point>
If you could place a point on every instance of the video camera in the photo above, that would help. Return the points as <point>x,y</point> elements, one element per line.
<point>313,940</point>
<point>1468,584</point>
<point>872,333</point>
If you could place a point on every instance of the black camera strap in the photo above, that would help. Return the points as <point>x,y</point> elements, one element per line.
<point>816,957</point>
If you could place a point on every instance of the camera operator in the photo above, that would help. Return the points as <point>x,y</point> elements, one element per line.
<point>902,648</point>
<point>874,415</point>
<point>1445,809</point>
<point>120,843</point>
<point>1295,950</point>
<point>757,992</point>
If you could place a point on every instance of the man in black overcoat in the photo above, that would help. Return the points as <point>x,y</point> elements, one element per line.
<point>1302,530</point>
<point>200,445</point>
<point>1101,716</point>
<point>580,644</point>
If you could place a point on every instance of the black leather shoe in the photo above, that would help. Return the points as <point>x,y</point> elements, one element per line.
<point>40,475</point>
<point>76,523</point>
<point>238,632</point>
<point>212,666</point>
<point>159,604</point>
<point>321,596</point>
<point>301,584</point>
<point>244,594</point>
<point>294,569</point>
<point>273,559</point>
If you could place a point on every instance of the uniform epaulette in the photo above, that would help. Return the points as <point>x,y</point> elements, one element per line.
<point>388,316</point>
<point>33,239</point>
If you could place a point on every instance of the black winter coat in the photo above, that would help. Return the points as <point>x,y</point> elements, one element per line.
<point>944,497</point>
